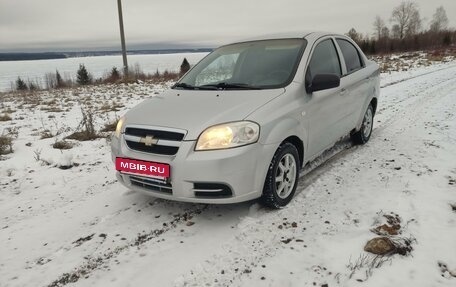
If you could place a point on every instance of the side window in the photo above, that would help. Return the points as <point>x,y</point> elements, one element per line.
<point>324,60</point>
<point>351,55</point>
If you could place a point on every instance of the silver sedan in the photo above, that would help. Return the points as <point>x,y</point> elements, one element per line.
<point>245,119</point>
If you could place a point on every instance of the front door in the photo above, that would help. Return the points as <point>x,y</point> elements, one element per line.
<point>324,113</point>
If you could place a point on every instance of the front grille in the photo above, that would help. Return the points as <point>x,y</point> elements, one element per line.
<point>151,184</point>
<point>159,149</point>
<point>212,190</point>
<point>158,134</point>
<point>159,140</point>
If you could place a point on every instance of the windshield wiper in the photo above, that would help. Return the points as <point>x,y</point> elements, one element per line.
<point>226,86</point>
<point>190,87</point>
<point>183,86</point>
<point>218,86</point>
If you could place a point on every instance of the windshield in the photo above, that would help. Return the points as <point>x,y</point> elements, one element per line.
<point>249,65</point>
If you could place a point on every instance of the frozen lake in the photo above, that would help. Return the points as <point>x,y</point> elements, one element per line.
<point>97,66</point>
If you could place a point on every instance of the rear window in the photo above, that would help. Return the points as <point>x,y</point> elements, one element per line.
<point>352,58</point>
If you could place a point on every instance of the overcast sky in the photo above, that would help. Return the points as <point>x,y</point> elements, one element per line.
<point>57,25</point>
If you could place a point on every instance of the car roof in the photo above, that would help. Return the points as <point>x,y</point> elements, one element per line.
<point>300,34</point>
<point>309,35</point>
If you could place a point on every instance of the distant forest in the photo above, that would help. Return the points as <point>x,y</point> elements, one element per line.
<point>62,55</point>
<point>30,56</point>
<point>407,32</point>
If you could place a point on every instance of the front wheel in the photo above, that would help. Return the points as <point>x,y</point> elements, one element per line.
<point>363,135</point>
<point>282,178</point>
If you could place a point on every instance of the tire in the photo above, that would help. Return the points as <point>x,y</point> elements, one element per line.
<point>363,135</point>
<point>282,178</point>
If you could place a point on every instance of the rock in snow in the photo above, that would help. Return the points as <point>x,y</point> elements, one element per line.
<point>379,246</point>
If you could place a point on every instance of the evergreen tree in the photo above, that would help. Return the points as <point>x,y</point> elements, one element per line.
<point>115,75</point>
<point>20,84</point>
<point>32,86</point>
<point>185,66</point>
<point>83,77</point>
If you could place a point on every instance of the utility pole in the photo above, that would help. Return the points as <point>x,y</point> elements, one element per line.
<point>122,38</point>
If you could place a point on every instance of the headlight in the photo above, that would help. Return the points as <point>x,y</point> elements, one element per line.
<point>228,135</point>
<point>119,127</point>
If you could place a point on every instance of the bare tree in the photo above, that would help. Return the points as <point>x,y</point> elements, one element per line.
<point>407,18</point>
<point>357,37</point>
<point>385,33</point>
<point>60,83</point>
<point>396,31</point>
<point>379,25</point>
<point>439,20</point>
<point>49,81</point>
<point>415,24</point>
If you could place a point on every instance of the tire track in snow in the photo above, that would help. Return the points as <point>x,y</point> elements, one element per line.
<point>420,100</point>
<point>414,77</point>
<point>92,263</point>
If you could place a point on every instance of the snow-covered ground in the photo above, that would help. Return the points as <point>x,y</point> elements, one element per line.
<point>78,227</point>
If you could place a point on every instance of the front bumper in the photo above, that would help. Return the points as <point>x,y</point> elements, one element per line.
<point>242,169</point>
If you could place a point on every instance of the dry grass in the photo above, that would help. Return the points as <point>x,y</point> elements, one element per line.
<point>46,134</point>
<point>52,109</point>
<point>86,129</point>
<point>51,102</point>
<point>63,145</point>
<point>402,245</point>
<point>113,107</point>
<point>5,117</point>
<point>6,144</point>
<point>8,111</point>
<point>110,126</point>
<point>405,61</point>
<point>366,263</point>
<point>83,136</point>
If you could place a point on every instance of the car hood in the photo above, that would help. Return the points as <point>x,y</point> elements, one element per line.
<point>195,110</point>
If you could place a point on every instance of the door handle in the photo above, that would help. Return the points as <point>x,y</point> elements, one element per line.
<point>343,91</point>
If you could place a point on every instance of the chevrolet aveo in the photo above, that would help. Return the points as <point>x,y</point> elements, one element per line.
<point>243,121</point>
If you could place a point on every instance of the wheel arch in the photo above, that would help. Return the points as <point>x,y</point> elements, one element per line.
<point>369,101</point>
<point>298,143</point>
<point>286,130</point>
<point>373,102</point>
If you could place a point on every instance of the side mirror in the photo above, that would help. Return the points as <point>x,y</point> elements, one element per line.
<point>323,82</point>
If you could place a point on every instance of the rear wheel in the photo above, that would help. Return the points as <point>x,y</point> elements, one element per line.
<point>282,178</point>
<point>363,135</point>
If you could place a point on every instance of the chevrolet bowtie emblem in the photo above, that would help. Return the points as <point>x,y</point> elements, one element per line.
<point>148,140</point>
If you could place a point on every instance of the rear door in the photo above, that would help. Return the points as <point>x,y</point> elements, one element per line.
<point>354,79</point>
<point>323,109</point>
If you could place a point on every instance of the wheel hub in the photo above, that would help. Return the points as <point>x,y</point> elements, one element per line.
<point>286,175</point>
<point>367,123</point>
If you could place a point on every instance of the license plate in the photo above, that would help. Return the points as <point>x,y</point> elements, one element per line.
<point>140,167</point>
